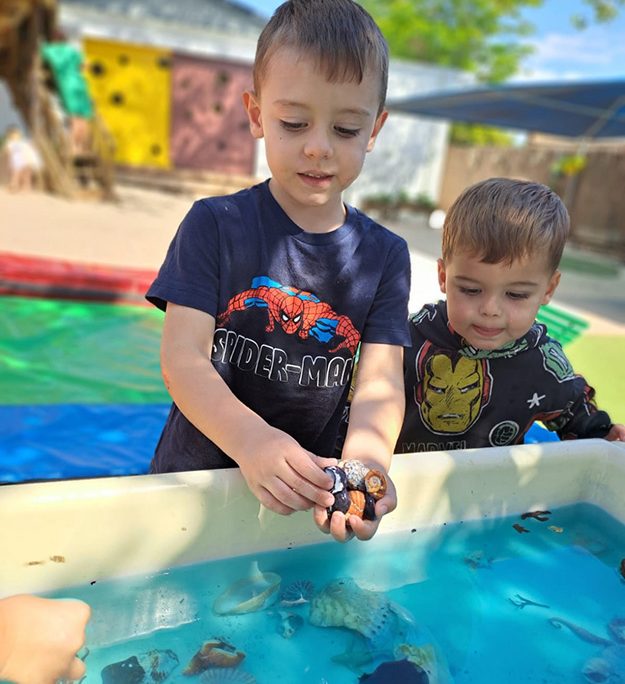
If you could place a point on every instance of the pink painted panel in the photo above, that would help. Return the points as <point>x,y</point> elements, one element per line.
<point>209,127</point>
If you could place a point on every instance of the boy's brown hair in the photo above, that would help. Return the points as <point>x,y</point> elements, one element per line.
<point>338,34</point>
<point>504,219</point>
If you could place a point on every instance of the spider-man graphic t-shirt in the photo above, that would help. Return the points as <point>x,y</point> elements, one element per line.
<point>290,308</point>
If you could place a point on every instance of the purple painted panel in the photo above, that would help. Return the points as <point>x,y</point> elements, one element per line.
<point>209,126</point>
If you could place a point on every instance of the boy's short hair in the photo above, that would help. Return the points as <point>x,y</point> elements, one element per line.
<point>504,219</point>
<point>339,34</point>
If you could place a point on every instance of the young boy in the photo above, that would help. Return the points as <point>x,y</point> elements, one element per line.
<point>269,291</point>
<point>481,370</point>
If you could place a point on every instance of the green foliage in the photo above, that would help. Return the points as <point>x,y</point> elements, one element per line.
<point>568,165</point>
<point>476,134</point>
<point>484,37</point>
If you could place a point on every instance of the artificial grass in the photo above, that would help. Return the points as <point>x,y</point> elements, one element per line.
<point>599,358</point>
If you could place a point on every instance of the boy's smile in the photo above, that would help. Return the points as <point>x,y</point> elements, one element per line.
<point>490,305</point>
<point>316,133</point>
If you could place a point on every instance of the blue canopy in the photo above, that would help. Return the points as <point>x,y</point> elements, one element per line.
<point>575,109</point>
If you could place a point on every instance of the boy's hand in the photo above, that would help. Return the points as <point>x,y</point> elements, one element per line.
<point>39,639</point>
<point>284,477</point>
<point>343,528</point>
<point>616,434</point>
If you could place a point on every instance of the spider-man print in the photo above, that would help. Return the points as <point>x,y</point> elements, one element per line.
<point>297,311</point>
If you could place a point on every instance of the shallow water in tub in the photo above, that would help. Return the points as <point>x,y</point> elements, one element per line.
<point>470,602</point>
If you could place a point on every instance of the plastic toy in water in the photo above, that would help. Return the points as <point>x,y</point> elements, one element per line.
<point>256,592</point>
<point>150,667</point>
<point>609,664</point>
<point>396,671</point>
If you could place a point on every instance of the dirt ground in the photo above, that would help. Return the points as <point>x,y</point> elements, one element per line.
<point>136,230</point>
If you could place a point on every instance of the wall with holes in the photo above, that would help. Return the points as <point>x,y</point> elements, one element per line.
<point>168,110</point>
<point>131,87</point>
<point>209,128</point>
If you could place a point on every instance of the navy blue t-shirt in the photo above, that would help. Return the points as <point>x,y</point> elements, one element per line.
<point>290,309</point>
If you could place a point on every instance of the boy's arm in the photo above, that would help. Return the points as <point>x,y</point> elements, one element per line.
<point>375,419</point>
<point>279,472</point>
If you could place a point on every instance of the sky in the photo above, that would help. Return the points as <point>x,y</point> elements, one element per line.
<point>561,51</point>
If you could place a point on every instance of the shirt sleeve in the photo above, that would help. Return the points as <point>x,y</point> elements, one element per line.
<point>387,322</point>
<point>189,275</point>
<point>581,419</point>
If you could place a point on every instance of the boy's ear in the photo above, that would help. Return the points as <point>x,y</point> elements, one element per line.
<point>252,107</point>
<point>442,276</point>
<point>551,288</point>
<point>379,122</point>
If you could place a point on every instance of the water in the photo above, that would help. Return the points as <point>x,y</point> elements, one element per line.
<point>465,585</point>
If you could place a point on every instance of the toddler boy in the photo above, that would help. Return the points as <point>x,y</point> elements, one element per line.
<point>481,370</point>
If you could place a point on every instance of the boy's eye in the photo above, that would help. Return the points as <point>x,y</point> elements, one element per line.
<point>292,125</point>
<point>347,132</point>
<point>518,295</point>
<point>471,291</point>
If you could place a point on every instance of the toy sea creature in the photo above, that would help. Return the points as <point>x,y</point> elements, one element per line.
<point>256,592</point>
<point>555,528</point>
<point>609,663</point>
<point>542,516</point>
<point>297,593</point>
<point>151,667</point>
<point>520,602</point>
<point>621,568</point>
<point>519,528</point>
<point>395,671</point>
<point>356,488</point>
<point>214,653</point>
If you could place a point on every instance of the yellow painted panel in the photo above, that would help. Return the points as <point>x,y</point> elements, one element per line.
<point>131,86</point>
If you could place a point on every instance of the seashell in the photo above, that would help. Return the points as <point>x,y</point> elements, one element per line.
<point>215,653</point>
<point>341,503</point>
<point>356,472</point>
<point>256,592</point>
<point>375,484</point>
<point>340,478</point>
<point>289,623</point>
<point>357,503</point>
<point>227,677</point>
<point>296,593</point>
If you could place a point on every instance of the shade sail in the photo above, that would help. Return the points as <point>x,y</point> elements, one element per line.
<point>574,109</point>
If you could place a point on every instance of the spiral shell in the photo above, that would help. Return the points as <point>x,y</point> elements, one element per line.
<point>375,484</point>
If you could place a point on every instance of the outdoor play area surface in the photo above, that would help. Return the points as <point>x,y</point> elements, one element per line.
<point>134,233</point>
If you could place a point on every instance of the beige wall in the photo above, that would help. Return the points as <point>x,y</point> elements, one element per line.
<point>597,195</point>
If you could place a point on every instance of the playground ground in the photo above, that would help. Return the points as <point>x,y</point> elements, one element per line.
<point>136,230</point>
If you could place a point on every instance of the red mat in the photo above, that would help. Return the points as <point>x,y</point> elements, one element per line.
<point>56,279</point>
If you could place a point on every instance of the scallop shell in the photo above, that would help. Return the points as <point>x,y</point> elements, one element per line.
<point>227,677</point>
<point>256,592</point>
<point>215,653</point>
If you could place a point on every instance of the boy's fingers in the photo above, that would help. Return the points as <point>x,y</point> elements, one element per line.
<point>76,670</point>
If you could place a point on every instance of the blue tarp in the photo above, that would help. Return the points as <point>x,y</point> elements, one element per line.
<point>574,109</point>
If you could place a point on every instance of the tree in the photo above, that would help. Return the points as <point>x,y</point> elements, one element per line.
<point>485,37</point>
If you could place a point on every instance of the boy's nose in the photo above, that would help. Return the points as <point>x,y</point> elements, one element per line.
<point>489,306</point>
<point>318,146</point>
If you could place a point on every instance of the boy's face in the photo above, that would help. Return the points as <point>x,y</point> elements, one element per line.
<point>491,305</point>
<point>316,135</point>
